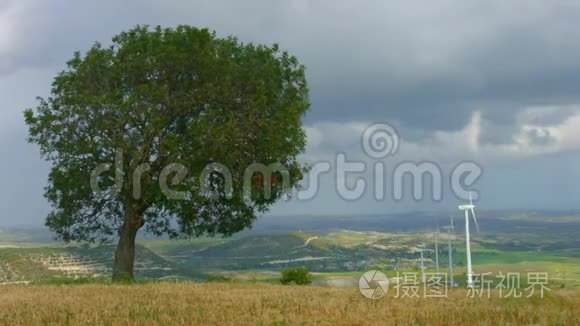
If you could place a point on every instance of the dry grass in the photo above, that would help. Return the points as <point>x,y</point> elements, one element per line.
<point>265,304</point>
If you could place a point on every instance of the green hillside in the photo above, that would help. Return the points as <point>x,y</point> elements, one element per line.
<point>43,263</point>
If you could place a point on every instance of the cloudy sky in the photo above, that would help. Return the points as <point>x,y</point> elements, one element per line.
<point>493,82</point>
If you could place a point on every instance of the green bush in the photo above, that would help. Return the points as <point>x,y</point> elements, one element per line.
<point>299,276</point>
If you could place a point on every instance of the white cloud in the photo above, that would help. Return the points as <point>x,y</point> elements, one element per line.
<point>6,33</point>
<point>530,139</point>
<point>26,34</point>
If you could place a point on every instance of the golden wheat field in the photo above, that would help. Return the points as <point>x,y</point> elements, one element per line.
<point>267,304</point>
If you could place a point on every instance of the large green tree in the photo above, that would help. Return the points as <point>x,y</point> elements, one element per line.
<point>127,117</point>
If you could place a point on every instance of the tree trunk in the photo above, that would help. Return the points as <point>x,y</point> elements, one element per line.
<point>125,252</point>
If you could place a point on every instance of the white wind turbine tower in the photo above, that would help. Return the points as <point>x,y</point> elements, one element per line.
<point>450,229</point>
<point>423,278</point>
<point>467,208</point>
<point>437,250</point>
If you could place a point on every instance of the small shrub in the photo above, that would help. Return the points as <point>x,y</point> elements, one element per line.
<point>299,276</point>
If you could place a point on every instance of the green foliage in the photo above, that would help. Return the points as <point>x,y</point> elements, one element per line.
<point>299,276</point>
<point>160,97</point>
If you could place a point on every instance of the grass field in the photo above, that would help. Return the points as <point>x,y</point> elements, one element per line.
<point>267,304</point>
<point>71,284</point>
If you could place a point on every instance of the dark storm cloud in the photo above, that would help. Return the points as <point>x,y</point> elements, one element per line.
<point>428,66</point>
<point>425,67</point>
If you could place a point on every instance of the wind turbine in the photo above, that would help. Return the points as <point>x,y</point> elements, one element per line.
<point>423,278</point>
<point>467,208</point>
<point>450,228</point>
<point>437,250</point>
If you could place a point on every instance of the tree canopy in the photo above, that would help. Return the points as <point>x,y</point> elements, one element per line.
<point>180,107</point>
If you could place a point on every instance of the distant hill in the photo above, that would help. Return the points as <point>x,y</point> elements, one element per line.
<point>322,244</point>
<point>40,263</point>
<point>493,221</point>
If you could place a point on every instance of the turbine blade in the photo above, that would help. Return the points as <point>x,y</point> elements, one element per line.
<point>470,199</point>
<point>474,219</point>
